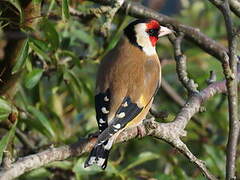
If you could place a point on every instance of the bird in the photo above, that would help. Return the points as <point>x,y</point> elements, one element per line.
<point>127,81</point>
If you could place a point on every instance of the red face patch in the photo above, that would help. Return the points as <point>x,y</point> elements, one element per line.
<point>153,40</point>
<point>153,24</point>
<point>152,29</point>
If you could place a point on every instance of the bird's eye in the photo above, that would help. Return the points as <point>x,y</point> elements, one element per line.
<point>153,32</point>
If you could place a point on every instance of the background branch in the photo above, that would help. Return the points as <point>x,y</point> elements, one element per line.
<point>181,65</point>
<point>190,33</point>
<point>230,72</point>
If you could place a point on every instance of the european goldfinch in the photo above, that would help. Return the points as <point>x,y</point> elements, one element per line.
<point>127,81</point>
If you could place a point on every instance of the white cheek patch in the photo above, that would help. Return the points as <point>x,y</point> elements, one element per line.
<point>143,39</point>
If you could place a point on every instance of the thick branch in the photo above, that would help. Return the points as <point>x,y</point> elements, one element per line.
<point>169,132</point>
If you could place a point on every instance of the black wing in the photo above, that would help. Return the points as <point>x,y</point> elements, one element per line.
<point>125,113</point>
<point>102,105</point>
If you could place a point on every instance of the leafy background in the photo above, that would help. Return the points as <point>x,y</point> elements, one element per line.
<point>54,98</point>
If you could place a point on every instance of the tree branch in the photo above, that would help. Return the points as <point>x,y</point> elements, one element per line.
<point>169,132</point>
<point>235,7</point>
<point>230,72</point>
<point>181,65</point>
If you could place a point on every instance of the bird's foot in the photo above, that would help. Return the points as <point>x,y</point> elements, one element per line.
<point>141,131</point>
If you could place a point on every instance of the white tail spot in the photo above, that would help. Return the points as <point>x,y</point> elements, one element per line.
<point>100,161</point>
<point>92,160</point>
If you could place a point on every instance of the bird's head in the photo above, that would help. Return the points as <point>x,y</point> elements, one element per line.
<point>144,33</point>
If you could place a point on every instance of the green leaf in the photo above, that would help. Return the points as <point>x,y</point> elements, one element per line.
<point>50,34</point>
<point>165,176</point>
<point>40,44</point>
<point>74,80</point>
<point>66,165</point>
<point>84,37</point>
<point>5,109</point>
<point>87,90</point>
<point>21,57</point>
<point>33,78</point>
<point>5,140</point>
<point>42,119</point>
<point>39,52</point>
<point>37,174</point>
<point>17,5</point>
<point>65,10</point>
<point>142,158</point>
<point>37,1</point>
<point>4,106</point>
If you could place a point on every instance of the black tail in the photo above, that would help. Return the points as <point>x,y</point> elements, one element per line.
<point>98,156</point>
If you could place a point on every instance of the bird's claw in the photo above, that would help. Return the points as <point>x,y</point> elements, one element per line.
<point>141,132</point>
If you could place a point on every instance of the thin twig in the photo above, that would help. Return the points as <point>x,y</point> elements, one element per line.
<point>181,65</point>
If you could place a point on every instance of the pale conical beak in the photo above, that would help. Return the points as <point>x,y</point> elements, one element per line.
<point>164,31</point>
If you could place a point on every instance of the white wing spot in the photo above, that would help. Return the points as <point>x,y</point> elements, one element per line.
<point>121,115</point>
<point>101,121</point>
<point>104,110</point>
<point>100,125</point>
<point>125,104</point>
<point>106,99</point>
<point>117,126</point>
